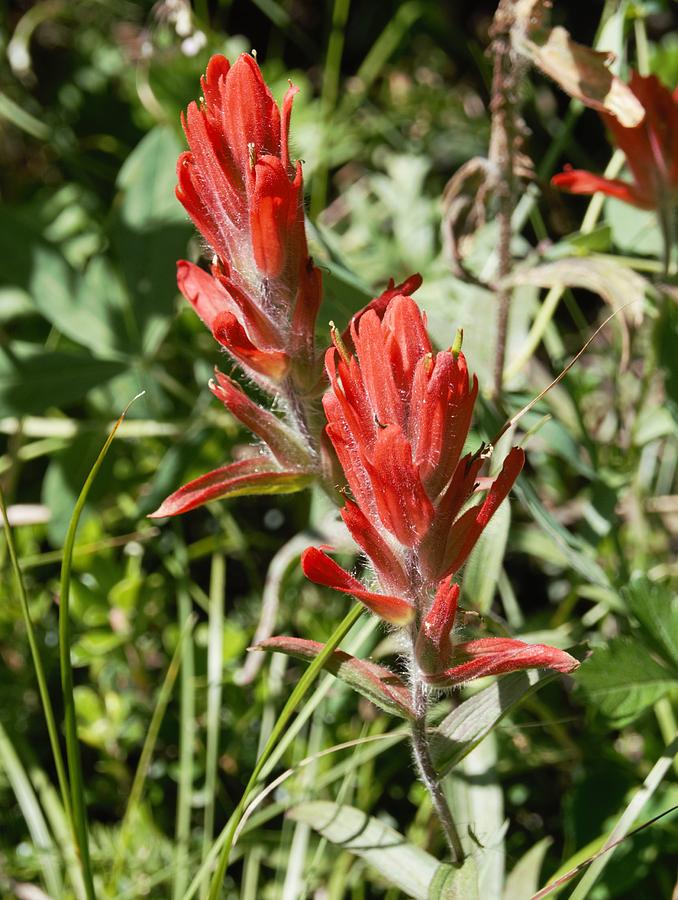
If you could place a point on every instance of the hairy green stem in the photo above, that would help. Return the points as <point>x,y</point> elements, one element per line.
<point>427,771</point>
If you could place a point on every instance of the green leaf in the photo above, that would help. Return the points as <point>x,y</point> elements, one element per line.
<point>656,608</point>
<point>449,883</point>
<point>616,284</point>
<point>403,865</point>
<point>621,680</point>
<point>32,380</point>
<point>573,549</point>
<point>469,723</point>
<point>377,683</point>
<point>87,310</point>
<point>483,568</point>
<point>634,230</point>
<point>147,180</point>
<point>523,881</point>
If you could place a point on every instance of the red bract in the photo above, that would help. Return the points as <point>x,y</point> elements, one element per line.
<point>245,196</point>
<point>651,150</point>
<point>398,417</point>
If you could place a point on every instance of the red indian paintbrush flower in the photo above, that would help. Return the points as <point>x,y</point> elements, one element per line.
<point>243,193</point>
<point>260,299</point>
<point>651,149</point>
<point>398,416</point>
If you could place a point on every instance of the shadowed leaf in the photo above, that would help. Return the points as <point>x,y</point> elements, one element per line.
<point>377,683</point>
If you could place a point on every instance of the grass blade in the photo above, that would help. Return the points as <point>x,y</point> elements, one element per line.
<point>38,666</point>
<point>32,813</point>
<point>626,820</point>
<point>148,748</point>
<point>70,725</point>
<point>186,742</point>
<point>299,692</point>
<point>215,654</point>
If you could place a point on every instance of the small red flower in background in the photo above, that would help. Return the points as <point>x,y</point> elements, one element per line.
<point>651,150</point>
<point>398,417</point>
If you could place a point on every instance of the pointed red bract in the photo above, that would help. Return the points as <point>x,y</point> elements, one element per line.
<point>497,656</point>
<point>247,476</point>
<point>278,437</point>
<point>379,684</point>
<point>651,150</point>
<point>318,567</point>
<point>433,648</point>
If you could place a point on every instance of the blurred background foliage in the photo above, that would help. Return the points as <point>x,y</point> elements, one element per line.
<point>394,98</point>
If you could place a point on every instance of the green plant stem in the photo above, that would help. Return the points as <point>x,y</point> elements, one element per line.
<point>70,722</point>
<point>668,726</point>
<point>642,46</point>
<point>299,692</point>
<point>39,668</point>
<point>428,774</point>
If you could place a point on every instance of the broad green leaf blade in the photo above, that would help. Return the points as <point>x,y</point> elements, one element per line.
<point>482,570</point>
<point>621,680</point>
<point>402,864</point>
<point>151,230</point>
<point>523,880</point>
<point>33,380</point>
<point>377,683</point>
<point>656,608</point>
<point>147,180</point>
<point>89,310</point>
<point>477,799</point>
<point>454,884</point>
<point>470,722</point>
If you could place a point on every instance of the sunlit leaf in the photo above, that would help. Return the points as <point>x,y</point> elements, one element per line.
<point>473,719</point>
<point>622,679</point>
<point>400,863</point>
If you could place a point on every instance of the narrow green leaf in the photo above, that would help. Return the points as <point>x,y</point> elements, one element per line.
<point>621,680</point>
<point>222,846</point>
<point>523,880</point>
<point>403,865</point>
<point>32,813</point>
<point>574,550</point>
<point>483,568</point>
<point>70,726</point>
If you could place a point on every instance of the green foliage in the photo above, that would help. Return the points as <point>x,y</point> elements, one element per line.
<point>90,315</point>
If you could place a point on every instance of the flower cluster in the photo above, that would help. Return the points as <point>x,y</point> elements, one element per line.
<point>398,417</point>
<point>651,150</point>
<point>397,414</point>
<point>261,296</point>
